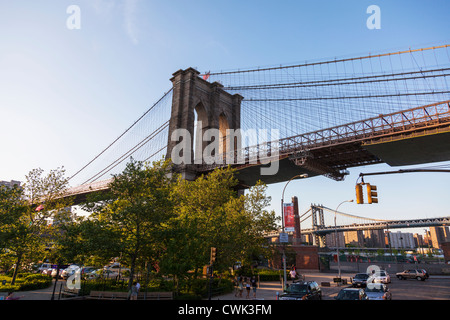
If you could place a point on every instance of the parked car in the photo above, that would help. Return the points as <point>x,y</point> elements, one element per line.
<point>378,291</point>
<point>360,280</point>
<point>86,270</point>
<point>43,267</point>
<point>55,273</point>
<point>306,290</point>
<point>93,274</point>
<point>352,294</point>
<point>411,274</point>
<point>108,273</point>
<point>47,271</point>
<point>380,276</point>
<point>70,270</point>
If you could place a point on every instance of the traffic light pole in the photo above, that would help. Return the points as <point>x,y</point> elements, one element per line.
<point>403,171</point>
<point>210,282</point>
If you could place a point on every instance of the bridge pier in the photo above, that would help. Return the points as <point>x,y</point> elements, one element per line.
<point>317,214</point>
<point>196,102</point>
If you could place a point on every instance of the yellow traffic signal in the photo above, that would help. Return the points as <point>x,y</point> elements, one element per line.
<point>372,194</point>
<point>213,255</point>
<point>359,194</point>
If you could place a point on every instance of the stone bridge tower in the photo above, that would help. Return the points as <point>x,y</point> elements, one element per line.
<point>198,105</point>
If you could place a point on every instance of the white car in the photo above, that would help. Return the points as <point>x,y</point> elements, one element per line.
<point>69,271</point>
<point>379,277</point>
<point>55,273</point>
<point>44,267</point>
<point>108,274</point>
<point>47,271</point>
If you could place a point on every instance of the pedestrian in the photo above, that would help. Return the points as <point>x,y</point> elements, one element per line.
<point>241,287</point>
<point>247,287</point>
<point>293,274</point>
<point>254,285</point>
<point>138,286</point>
<point>236,285</point>
<point>134,291</point>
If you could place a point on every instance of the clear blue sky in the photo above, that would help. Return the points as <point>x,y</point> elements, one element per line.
<point>66,94</point>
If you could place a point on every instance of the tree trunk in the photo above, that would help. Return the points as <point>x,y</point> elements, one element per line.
<point>16,268</point>
<point>132,268</point>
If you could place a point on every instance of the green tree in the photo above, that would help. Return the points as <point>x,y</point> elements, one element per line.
<point>26,213</point>
<point>137,212</point>
<point>209,213</point>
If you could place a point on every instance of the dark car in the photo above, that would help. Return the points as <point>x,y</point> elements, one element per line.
<point>360,280</point>
<point>306,290</point>
<point>352,294</point>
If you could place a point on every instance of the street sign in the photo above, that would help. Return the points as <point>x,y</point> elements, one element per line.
<point>284,238</point>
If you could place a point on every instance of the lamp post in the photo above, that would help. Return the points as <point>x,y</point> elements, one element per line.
<point>303,175</point>
<point>336,237</point>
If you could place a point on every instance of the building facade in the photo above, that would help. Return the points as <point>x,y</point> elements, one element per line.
<point>401,240</point>
<point>439,235</point>
<point>10,184</point>
<point>374,238</point>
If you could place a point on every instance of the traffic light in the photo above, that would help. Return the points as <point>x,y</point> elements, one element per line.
<point>372,194</point>
<point>359,194</point>
<point>213,255</point>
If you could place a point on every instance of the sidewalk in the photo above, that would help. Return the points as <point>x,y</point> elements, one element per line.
<point>41,294</point>
<point>268,289</point>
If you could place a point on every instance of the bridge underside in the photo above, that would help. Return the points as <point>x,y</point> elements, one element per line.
<point>332,161</point>
<point>412,150</point>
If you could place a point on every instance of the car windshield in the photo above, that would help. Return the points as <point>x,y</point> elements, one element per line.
<point>381,274</point>
<point>297,288</point>
<point>348,295</point>
<point>361,276</point>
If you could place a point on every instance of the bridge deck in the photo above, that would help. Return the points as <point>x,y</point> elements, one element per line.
<point>414,136</point>
<point>418,135</point>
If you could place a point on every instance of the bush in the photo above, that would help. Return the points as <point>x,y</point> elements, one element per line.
<point>218,286</point>
<point>269,275</point>
<point>8,287</point>
<point>26,282</point>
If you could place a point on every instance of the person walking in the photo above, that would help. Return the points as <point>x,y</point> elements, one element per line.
<point>138,286</point>
<point>254,286</point>
<point>241,287</point>
<point>134,291</point>
<point>293,274</point>
<point>236,286</point>
<point>247,287</point>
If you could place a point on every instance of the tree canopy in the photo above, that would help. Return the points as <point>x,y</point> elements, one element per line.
<point>149,217</point>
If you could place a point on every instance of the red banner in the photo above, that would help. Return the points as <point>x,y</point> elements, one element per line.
<point>289,222</point>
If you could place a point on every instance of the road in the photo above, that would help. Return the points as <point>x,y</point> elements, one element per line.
<point>434,288</point>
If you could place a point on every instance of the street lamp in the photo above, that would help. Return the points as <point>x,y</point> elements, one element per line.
<point>303,175</point>
<point>336,236</point>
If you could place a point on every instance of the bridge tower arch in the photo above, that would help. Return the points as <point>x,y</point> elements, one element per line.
<point>318,222</point>
<point>215,109</point>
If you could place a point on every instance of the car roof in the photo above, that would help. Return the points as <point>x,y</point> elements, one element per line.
<point>302,283</point>
<point>351,289</point>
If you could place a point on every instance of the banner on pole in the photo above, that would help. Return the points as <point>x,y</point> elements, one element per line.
<point>289,222</point>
